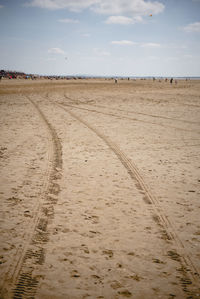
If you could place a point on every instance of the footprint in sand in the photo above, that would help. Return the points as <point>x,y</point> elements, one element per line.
<point>108,253</point>
<point>93,218</point>
<point>2,260</point>
<point>14,200</point>
<point>125,293</point>
<point>97,279</point>
<point>65,230</point>
<point>75,274</point>
<point>116,285</point>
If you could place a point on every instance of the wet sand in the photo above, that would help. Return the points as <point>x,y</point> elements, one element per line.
<point>100,188</point>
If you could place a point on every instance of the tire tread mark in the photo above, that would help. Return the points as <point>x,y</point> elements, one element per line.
<point>133,119</point>
<point>133,112</point>
<point>23,274</point>
<point>188,269</point>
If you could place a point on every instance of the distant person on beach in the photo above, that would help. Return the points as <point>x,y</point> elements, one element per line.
<point>115,80</point>
<point>171,80</point>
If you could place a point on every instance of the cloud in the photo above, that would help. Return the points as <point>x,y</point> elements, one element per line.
<point>119,20</point>
<point>194,27</point>
<point>123,42</point>
<point>100,52</point>
<point>56,51</point>
<point>129,42</point>
<point>72,21</point>
<point>150,45</point>
<point>72,5</point>
<point>86,34</point>
<point>137,19</point>
<point>1,6</point>
<point>122,20</point>
<point>114,7</point>
<point>133,8</point>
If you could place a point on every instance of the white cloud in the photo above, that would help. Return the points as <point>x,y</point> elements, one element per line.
<point>114,7</point>
<point>137,19</point>
<point>194,27</point>
<point>100,52</point>
<point>123,42</point>
<point>129,42</point>
<point>72,5</point>
<point>72,21</point>
<point>86,34</point>
<point>122,20</point>
<point>150,45</point>
<point>119,20</point>
<point>56,51</point>
<point>134,7</point>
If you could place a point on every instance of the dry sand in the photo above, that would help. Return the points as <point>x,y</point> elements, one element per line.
<point>100,189</point>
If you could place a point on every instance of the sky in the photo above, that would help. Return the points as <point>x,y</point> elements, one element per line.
<point>101,37</point>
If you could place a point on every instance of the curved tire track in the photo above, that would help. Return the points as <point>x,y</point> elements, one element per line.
<point>132,112</point>
<point>130,118</point>
<point>188,270</point>
<point>23,275</point>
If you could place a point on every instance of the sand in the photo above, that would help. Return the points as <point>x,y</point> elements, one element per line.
<point>100,189</point>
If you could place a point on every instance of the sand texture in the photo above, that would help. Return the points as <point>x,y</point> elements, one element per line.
<point>100,189</point>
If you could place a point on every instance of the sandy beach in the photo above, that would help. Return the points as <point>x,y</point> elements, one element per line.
<point>100,189</point>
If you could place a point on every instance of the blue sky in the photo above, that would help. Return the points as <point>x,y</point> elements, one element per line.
<point>101,37</point>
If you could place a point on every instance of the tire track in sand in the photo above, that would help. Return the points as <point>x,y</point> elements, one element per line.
<point>89,103</point>
<point>189,275</point>
<point>24,273</point>
<point>132,119</point>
